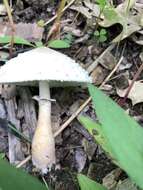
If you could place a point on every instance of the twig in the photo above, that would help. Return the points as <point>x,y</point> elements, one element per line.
<point>45,182</point>
<point>54,17</point>
<point>131,85</point>
<point>112,72</point>
<point>55,29</point>
<point>95,63</point>
<point>11,24</point>
<point>86,102</point>
<point>23,162</point>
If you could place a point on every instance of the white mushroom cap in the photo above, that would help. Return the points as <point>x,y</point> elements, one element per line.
<point>43,64</point>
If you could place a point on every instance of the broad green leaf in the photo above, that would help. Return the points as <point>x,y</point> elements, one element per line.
<point>88,184</point>
<point>2,155</point>
<point>111,15</point>
<point>102,3</point>
<point>96,130</point>
<point>59,44</point>
<point>16,179</point>
<point>124,135</point>
<point>17,40</point>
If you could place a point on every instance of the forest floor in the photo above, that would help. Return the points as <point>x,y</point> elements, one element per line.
<point>76,150</point>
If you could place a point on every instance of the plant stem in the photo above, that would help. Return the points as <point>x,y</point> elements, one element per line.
<point>8,9</point>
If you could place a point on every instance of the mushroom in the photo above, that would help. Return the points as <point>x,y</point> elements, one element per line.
<point>48,68</point>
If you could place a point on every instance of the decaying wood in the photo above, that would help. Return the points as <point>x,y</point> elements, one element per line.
<point>15,151</point>
<point>28,108</point>
<point>25,112</point>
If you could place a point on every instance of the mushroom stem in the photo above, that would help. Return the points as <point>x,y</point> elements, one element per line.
<point>43,144</point>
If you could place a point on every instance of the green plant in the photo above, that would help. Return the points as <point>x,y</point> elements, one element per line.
<point>17,40</point>
<point>12,178</point>
<point>87,184</point>
<point>102,4</point>
<point>69,38</point>
<point>101,35</point>
<point>2,155</point>
<point>118,134</point>
<point>58,44</point>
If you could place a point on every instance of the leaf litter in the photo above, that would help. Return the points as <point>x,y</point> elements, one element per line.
<point>80,22</point>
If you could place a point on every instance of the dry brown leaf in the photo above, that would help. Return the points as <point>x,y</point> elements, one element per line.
<point>131,20</point>
<point>28,31</point>
<point>2,9</point>
<point>126,184</point>
<point>135,94</point>
<point>83,10</point>
<point>89,9</point>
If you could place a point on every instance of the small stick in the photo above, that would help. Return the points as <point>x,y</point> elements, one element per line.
<point>11,24</point>
<point>95,63</point>
<point>131,85</point>
<point>55,29</point>
<point>74,115</point>
<point>54,17</point>
<point>23,162</point>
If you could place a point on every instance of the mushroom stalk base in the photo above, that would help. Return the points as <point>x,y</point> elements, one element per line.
<point>43,144</point>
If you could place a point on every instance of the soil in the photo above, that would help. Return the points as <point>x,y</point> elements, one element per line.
<point>72,155</point>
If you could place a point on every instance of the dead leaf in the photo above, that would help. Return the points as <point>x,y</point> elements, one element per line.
<point>2,9</point>
<point>28,31</point>
<point>89,9</point>
<point>130,20</point>
<point>83,10</point>
<point>89,148</point>
<point>80,158</point>
<point>110,180</point>
<point>126,184</point>
<point>109,61</point>
<point>98,75</point>
<point>3,55</point>
<point>138,37</point>
<point>73,31</point>
<point>94,8</point>
<point>135,94</point>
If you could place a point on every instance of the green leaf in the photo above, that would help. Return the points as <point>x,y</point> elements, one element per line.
<point>124,135</point>
<point>17,133</point>
<point>96,130</point>
<point>102,3</point>
<point>110,14</point>
<point>69,38</point>
<point>2,155</point>
<point>102,38</point>
<point>88,184</point>
<point>103,31</point>
<point>17,40</point>
<point>12,179</point>
<point>96,33</point>
<point>39,44</point>
<point>41,23</point>
<point>58,44</point>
